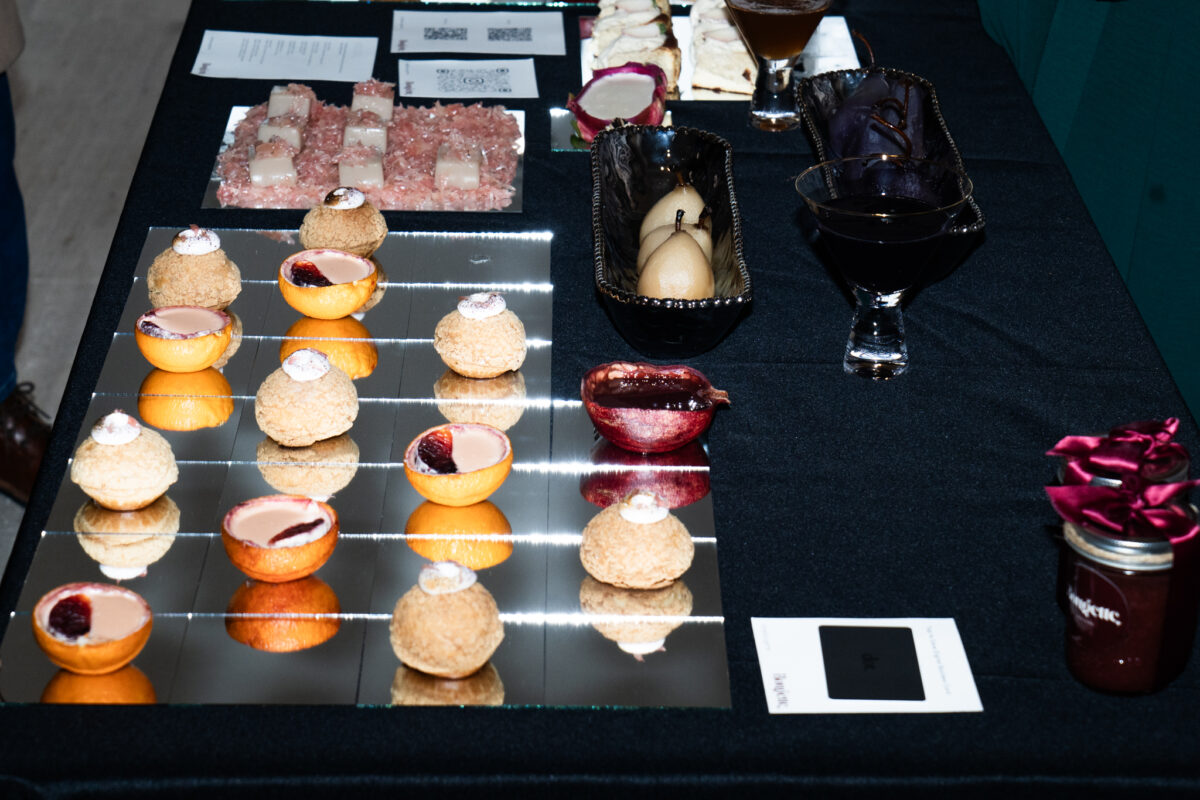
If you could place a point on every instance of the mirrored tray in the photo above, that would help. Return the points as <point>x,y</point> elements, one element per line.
<point>553,653</point>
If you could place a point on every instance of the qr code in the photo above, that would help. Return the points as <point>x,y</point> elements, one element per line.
<point>445,34</point>
<point>510,34</point>
<point>474,81</point>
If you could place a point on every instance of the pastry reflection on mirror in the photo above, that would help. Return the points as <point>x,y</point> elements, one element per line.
<point>481,338</point>
<point>194,271</point>
<point>306,400</point>
<point>283,617</point>
<point>636,544</point>
<point>125,687</point>
<point>679,477</point>
<point>458,464</point>
<point>235,341</point>
<point>641,634</point>
<point>345,220</point>
<point>448,624</point>
<point>125,543</point>
<point>185,401</point>
<point>477,536</point>
<point>346,342</point>
<point>318,471</point>
<point>498,401</point>
<point>123,465</point>
<point>279,537</point>
<point>91,628</point>
<point>413,688</point>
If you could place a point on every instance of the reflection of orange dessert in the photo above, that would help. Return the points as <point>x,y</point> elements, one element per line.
<point>127,686</point>
<point>326,284</point>
<point>481,338</point>
<point>638,620</point>
<point>183,338</point>
<point>346,341</point>
<point>637,544</point>
<point>279,624</point>
<point>413,688</point>
<point>185,401</point>
<point>123,465</point>
<point>498,402</point>
<point>124,543</point>
<point>318,471</point>
<point>194,271</point>
<point>345,220</point>
<point>306,400</point>
<point>477,536</point>
<point>448,624</point>
<point>91,628</point>
<point>279,537</point>
<point>458,465</point>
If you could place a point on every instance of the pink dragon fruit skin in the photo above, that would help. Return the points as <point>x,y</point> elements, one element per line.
<point>589,125</point>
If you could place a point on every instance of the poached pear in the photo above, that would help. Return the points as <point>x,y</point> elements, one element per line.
<point>677,268</point>
<point>700,232</point>
<point>683,197</point>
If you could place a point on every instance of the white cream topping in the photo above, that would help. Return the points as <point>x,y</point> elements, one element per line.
<point>482,305</point>
<point>116,428</point>
<point>345,198</point>
<point>642,648</point>
<point>642,508</point>
<point>306,364</point>
<point>196,241</point>
<point>445,577</point>
<point>122,573</point>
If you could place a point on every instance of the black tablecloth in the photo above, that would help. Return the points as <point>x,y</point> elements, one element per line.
<point>833,496</point>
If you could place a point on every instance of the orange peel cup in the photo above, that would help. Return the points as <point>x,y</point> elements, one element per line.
<point>326,302</point>
<point>188,354</point>
<point>346,342</point>
<point>285,633</point>
<point>477,536</point>
<point>279,564</point>
<point>89,657</point>
<point>127,686</point>
<point>458,488</point>
<point>185,401</point>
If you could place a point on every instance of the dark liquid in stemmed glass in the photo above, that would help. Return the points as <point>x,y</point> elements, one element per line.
<point>881,254</point>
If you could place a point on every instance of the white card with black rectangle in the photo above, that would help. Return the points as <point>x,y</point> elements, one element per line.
<point>447,79</point>
<point>500,32</point>
<point>832,665</point>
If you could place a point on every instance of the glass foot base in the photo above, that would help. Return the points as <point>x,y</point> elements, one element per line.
<point>876,347</point>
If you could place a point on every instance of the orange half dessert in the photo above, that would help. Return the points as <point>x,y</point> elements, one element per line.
<point>279,537</point>
<point>326,284</point>
<point>183,338</point>
<point>458,464</point>
<point>91,628</point>
<point>185,401</point>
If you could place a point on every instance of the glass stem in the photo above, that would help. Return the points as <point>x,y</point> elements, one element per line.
<point>773,105</point>
<point>876,347</point>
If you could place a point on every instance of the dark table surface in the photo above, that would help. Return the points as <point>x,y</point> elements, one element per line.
<point>835,496</point>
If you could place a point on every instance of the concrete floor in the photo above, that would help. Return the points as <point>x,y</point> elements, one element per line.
<point>104,63</point>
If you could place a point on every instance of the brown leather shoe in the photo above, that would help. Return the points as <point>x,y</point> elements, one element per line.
<point>24,434</point>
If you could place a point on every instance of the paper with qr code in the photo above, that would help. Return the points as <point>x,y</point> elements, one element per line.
<point>501,32</point>
<point>462,79</point>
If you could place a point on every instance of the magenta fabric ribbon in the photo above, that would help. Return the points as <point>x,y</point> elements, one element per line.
<point>1132,450</point>
<point>1147,513</point>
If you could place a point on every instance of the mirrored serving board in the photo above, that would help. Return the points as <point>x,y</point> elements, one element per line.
<point>553,653</point>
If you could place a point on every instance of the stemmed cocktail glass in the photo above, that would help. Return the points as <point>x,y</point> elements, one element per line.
<point>776,32</point>
<point>882,219</point>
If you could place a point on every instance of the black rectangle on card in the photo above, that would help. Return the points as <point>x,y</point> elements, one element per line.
<point>870,663</point>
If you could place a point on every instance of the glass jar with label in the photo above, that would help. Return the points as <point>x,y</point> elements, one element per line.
<point>1131,611</point>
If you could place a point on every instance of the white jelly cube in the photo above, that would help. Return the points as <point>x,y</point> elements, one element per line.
<point>459,170</point>
<point>282,101</point>
<point>379,105</point>
<point>284,128</point>
<point>365,173</point>
<point>272,170</point>
<point>365,134</point>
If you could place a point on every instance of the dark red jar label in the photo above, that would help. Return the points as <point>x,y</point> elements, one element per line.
<point>1098,606</point>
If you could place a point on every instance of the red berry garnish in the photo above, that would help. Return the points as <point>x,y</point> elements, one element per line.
<point>305,273</point>
<point>298,529</point>
<point>435,449</point>
<point>71,617</point>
